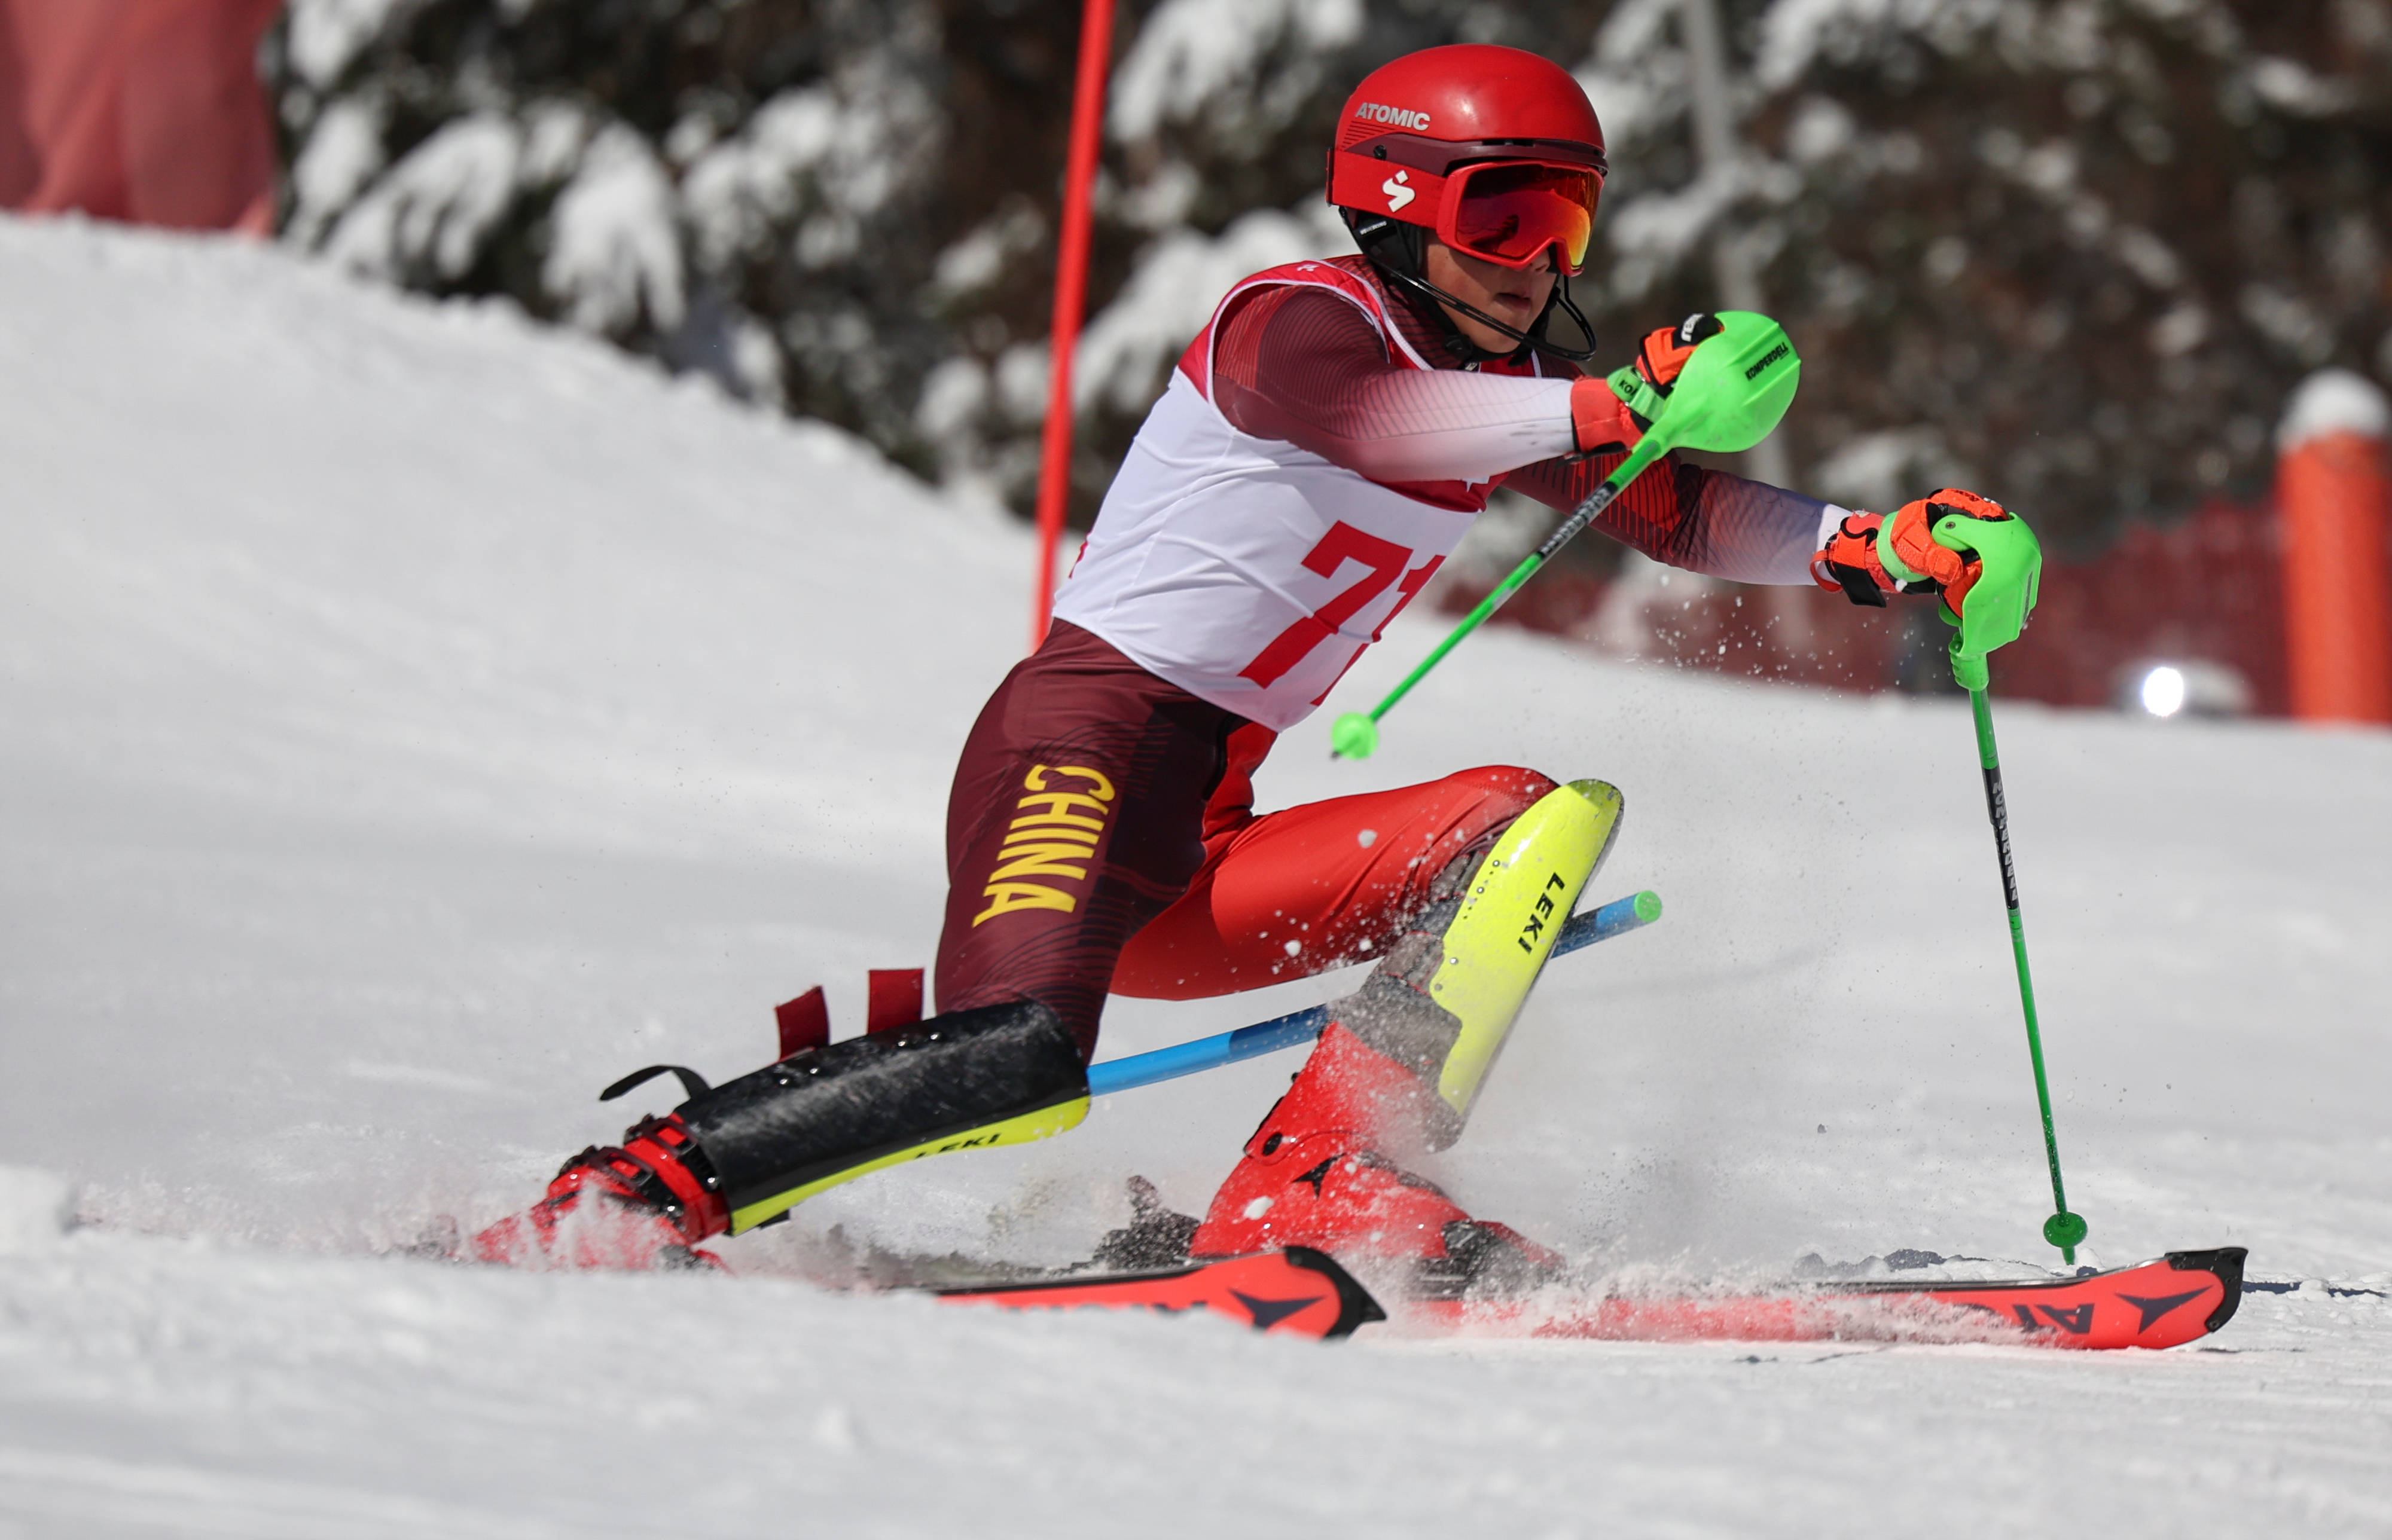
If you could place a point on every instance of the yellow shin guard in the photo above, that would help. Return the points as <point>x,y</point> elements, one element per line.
<point>1516,904</point>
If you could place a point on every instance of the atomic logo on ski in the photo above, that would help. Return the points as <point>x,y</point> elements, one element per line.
<point>2077,1319</point>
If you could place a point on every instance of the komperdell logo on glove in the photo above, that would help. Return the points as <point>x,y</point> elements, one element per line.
<point>1642,399</point>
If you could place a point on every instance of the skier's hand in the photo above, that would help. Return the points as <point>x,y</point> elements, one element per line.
<point>1849,562</point>
<point>1599,419</point>
<point>1870,556</point>
<point>1645,384</point>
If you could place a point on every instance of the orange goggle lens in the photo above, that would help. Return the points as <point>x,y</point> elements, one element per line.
<point>1510,213</point>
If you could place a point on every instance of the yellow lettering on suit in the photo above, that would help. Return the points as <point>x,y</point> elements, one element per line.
<point>1055,833</point>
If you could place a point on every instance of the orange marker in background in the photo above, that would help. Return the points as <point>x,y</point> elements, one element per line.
<point>2333,504</point>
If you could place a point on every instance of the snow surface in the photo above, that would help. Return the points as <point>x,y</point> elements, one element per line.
<point>413,720</point>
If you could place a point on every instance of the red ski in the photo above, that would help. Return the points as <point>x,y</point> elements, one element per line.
<point>1297,1292</point>
<point>2181,1296</point>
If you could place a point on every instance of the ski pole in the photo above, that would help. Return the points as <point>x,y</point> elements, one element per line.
<point>2009,571</point>
<point>1615,918</point>
<point>2063,1229</point>
<point>1732,391</point>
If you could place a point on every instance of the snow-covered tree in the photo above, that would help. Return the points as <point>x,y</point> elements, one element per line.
<point>2076,250</point>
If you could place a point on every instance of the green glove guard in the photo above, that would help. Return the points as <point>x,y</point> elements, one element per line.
<point>2009,572</point>
<point>1731,393</point>
<point>1734,388</point>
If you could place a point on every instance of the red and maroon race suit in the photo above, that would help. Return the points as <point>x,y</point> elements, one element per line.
<point>1317,456</point>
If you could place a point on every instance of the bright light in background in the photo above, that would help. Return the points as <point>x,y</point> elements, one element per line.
<point>2163,691</point>
<point>2168,688</point>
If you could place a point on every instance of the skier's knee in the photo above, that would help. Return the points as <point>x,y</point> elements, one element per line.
<point>1504,791</point>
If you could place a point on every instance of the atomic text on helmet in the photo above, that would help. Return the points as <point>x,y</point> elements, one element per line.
<point>1401,117</point>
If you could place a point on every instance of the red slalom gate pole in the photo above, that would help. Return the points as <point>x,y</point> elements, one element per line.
<point>1071,297</point>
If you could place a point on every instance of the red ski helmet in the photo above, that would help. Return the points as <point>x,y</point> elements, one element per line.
<point>1495,150</point>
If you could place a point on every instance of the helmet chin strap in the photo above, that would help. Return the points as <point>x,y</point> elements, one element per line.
<point>1396,249</point>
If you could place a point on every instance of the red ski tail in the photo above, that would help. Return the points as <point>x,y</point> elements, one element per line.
<point>2158,1304</point>
<point>2180,1298</point>
<point>1295,1292</point>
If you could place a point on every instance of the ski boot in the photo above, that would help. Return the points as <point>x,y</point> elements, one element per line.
<point>740,1155</point>
<point>1397,1072</point>
<point>643,1204</point>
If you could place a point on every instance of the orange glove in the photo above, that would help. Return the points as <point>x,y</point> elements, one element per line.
<point>1664,353</point>
<point>1645,384</point>
<point>1599,419</point>
<point>1848,561</point>
<point>1870,556</point>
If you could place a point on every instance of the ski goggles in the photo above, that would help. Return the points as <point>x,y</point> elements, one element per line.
<point>1509,212</point>
<point>1512,214</point>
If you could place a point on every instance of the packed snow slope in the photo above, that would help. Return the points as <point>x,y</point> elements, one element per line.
<point>413,720</point>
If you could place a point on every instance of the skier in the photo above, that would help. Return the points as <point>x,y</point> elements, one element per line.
<point>1323,445</point>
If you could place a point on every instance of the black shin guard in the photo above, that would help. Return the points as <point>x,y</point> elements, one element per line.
<point>970,1079</point>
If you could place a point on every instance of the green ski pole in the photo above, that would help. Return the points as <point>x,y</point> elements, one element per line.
<point>1731,393</point>
<point>2009,572</point>
<point>2063,1229</point>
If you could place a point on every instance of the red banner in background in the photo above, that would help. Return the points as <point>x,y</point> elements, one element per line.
<point>143,111</point>
<point>2201,590</point>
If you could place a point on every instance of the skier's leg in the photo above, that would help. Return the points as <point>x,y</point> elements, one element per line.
<point>1077,814</point>
<point>1322,886</point>
<point>1397,1070</point>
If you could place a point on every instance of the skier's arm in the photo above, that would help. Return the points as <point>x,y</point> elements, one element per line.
<point>1684,515</point>
<point>1688,516</point>
<point>1303,366</point>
